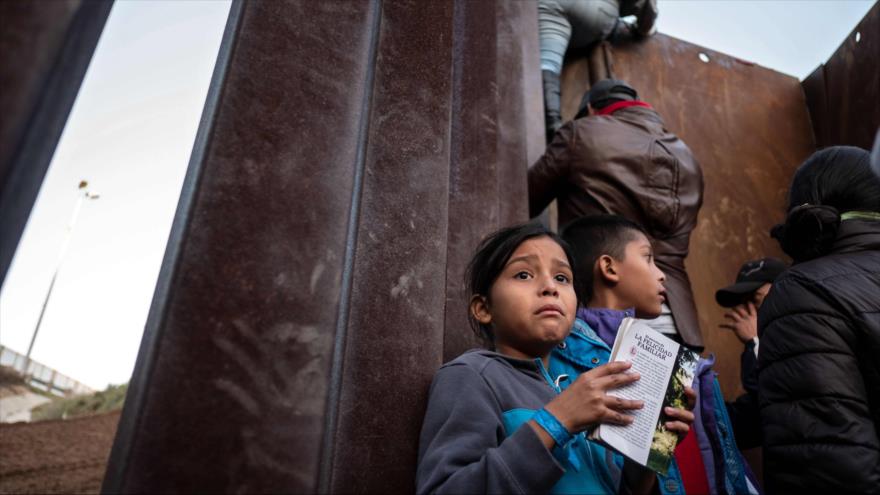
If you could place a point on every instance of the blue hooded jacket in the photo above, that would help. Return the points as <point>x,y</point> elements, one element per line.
<point>586,348</point>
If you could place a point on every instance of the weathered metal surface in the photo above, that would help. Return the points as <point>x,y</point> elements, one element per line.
<point>395,328</point>
<point>45,48</point>
<point>748,127</point>
<point>520,107</point>
<point>843,95</point>
<point>496,133</point>
<point>474,159</point>
<point>308,288</point>
<point>817,104</point>
<point>229,391</point>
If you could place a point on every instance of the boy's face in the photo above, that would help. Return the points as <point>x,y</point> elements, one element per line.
<point>640,282</point>
<point>532,303</point>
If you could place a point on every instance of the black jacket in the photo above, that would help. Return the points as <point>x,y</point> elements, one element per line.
<point>819,370</point>
<point>745,415</point>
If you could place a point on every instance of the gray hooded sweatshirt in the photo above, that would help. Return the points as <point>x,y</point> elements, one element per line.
<point>474,439</point>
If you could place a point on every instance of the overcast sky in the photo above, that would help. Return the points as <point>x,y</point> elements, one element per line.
<point>131,132</point>
<point>790,36</point>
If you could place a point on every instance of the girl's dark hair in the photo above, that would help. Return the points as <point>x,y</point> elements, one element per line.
<point>830,182</point>
<point>492,256</point>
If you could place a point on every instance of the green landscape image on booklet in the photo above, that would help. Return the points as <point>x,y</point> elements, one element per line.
<point>664,442</point>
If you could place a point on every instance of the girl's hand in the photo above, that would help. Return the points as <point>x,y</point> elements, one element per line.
<point>681,419</point>
<point>585,403</point>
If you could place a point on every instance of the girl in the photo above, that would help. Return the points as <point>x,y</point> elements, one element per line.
<point>496,420</point>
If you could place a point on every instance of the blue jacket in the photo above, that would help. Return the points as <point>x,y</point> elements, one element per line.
<point>582,351</point>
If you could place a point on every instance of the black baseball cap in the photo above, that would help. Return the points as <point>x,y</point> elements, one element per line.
<point>606,89</point>
<point>752,276</point>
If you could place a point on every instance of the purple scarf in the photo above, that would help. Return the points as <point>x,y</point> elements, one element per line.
<point>605,322</point>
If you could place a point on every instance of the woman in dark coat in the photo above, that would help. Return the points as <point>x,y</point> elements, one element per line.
<point>819,361</point>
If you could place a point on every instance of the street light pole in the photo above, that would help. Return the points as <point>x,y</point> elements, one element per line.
<point>84,194</point>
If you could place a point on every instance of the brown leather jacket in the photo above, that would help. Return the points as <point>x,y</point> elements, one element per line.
<point>628,164</point>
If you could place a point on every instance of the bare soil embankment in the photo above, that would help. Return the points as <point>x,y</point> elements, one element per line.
<point>56,456</point>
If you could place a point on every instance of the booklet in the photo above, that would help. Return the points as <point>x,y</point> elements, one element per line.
<point>666,368</point>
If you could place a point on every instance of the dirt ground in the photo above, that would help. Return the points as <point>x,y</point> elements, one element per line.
<point>58,456</point>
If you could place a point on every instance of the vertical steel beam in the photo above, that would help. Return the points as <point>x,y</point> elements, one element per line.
<point>474,164</point>
<point>395,323</point>
<point>230,389</point>
<point>843,94</point>
<point>307,292</point>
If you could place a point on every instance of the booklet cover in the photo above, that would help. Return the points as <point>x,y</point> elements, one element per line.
<point>666,368</point>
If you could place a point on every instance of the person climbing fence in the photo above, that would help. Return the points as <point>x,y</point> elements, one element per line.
<point>577,24</point>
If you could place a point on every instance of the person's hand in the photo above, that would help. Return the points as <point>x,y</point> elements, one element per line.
<point>586,403</point>
<point>680,420</point>
<point>743,321</point>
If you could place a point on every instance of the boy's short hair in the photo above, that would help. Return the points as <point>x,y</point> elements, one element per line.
<point>595,235</point>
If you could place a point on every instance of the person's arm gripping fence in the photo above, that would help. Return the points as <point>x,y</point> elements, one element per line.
<point>549,175</point>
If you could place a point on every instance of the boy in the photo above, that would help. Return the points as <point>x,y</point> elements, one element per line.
<point>615,265</point>
<point>744,297</point>
<point>618,279</point>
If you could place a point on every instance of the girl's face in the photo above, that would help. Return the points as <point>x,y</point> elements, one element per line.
<point>532,303</point>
